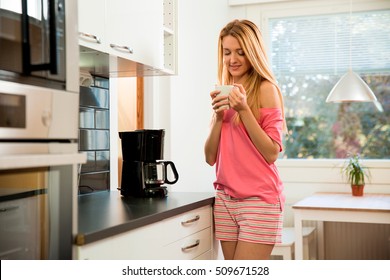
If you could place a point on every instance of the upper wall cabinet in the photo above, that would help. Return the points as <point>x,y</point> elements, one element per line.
<point>92,22</point>
<point>135,30</point>
<point>132,30</point>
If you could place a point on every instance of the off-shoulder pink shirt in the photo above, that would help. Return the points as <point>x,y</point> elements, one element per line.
<point>240,169</point>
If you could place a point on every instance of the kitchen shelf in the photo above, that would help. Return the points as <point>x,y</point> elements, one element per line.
<point>170,36</point>
<point>168,31</point>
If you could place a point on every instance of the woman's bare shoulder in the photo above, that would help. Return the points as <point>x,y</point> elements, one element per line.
<point>269,96</point>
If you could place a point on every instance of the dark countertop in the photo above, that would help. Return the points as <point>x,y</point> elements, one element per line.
<point>105,214</point>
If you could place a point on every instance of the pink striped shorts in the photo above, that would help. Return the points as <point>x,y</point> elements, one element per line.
<point>250,219</point>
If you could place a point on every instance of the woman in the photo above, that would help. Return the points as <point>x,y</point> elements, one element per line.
<point>244,142</point>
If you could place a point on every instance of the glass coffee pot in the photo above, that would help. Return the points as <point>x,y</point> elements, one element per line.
<point>157,173</point>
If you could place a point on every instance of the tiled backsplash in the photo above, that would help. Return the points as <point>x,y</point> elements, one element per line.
<point>94,136</point>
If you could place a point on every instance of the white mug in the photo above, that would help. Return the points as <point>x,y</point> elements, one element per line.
<point>225,90</point>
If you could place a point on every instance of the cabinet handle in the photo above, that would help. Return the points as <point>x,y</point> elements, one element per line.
<point>7,209</point>
<point>121,48</point>
<point>197,217</point>
<point>196,244</point>
<point>90,36</point>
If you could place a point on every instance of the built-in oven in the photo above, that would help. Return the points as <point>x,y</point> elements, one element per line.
<point>34,41</point>
<point>39,162</point>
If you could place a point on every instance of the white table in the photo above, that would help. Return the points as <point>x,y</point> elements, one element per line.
<point>338,207</point>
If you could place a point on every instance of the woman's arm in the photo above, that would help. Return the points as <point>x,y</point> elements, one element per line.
<point>268,99</point>
<point>212,141</point>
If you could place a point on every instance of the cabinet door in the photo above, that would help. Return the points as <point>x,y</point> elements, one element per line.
<point>135,30</point>
<point>92,24</point>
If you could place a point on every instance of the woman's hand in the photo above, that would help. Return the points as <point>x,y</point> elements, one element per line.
<point>237,98</point>
<point>219,102</point>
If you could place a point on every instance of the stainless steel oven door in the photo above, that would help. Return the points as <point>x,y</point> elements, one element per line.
<point>33,113</point>
<point>23,214</point>
<point>38,200</point>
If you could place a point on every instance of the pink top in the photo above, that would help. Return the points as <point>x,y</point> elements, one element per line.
<point>241,170</point>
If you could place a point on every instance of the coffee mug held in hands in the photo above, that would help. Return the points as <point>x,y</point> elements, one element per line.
<point>225,90</point>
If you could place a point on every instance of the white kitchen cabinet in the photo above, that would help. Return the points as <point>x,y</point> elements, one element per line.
<point>132,30</point>
<point>184,236</point>
<point>92,14</point>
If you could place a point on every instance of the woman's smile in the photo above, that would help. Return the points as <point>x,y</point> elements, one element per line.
<point>234,67</point>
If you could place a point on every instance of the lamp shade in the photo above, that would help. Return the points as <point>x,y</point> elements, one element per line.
<point>351,88</point>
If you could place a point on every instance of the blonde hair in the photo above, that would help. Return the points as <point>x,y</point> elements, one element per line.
<point>250,40</point>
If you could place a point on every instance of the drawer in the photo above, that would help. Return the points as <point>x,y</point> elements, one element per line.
<point>189,247</point>
<point>188,223</point>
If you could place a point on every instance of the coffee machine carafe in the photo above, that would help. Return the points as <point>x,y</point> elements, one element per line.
<point>144,172</point>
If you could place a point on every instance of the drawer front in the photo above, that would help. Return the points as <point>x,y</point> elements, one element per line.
<point>188,223</point>
<point>189,247</point>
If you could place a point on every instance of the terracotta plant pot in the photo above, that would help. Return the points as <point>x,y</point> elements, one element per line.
<point>357,190</point>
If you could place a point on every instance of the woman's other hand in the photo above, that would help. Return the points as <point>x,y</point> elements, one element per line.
<point>237,98</point>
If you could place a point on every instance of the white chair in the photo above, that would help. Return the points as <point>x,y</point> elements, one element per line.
<point>286,248</point>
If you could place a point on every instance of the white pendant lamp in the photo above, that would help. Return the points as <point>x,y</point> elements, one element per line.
<point>351,88</point>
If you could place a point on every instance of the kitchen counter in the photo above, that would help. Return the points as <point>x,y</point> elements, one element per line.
<point>106,214</point>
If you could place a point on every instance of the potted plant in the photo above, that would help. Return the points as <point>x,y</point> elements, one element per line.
<point>356,174</point>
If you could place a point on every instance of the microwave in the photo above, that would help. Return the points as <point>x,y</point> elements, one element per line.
<point>33,42</point>
<point>39,74</point>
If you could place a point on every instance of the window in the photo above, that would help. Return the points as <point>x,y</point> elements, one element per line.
<point>309,55</point>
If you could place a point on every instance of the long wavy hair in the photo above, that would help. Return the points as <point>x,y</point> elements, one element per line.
<point>251,41</point>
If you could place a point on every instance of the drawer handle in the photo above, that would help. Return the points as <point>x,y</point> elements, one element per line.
<point>121,48</point>
<point>197,217</point>
<point>196,244</point>
<point>7,209</point>
<point>90,36</point>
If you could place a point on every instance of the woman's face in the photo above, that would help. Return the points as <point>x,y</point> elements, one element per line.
<point>235,59</point>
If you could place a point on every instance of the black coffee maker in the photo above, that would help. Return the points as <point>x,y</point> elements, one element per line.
<point>144,172</point>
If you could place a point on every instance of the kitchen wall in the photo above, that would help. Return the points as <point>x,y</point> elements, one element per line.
<point>127,113</point>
